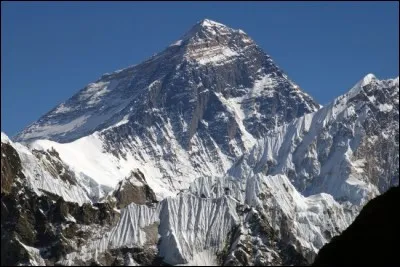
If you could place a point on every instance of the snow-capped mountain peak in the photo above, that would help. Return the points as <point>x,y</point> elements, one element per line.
<point>367,79</point>
<point>212,62</point>
<point>208,29</point>
<point>210,23</point>
<point>210,42</point>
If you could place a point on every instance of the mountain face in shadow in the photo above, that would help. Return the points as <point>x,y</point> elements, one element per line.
<point>373,238</point>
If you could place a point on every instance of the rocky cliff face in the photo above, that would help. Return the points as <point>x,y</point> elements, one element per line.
<point>134,189</point>
<point>204,154</point>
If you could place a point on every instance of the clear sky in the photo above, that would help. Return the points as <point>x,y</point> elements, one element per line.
<point>51,50</point>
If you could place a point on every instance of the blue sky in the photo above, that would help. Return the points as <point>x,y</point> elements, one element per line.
<point>51,50</point>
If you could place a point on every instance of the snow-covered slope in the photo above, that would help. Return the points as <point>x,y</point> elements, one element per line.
<point>246,168</point>
<point>348,149</point>
<point>46,173</point>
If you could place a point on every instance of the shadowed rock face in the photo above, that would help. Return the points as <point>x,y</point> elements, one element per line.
<point>46,221</point>
<point>10,167</point>
<point>261,245</point>
<point>372,239</point>
<point>134,189</point>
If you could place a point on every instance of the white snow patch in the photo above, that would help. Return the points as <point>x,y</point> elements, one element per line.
<point>155,83</point>
<point>4,138</point>
<point>264,86</point>
<point>215,55</point>
<point>70,218</point>
<point>177,43</point>
<point>369,78</point>
<point>34,255</point>
<point>203,258</point>
<point>124,120</point>
<point>385,107</point>
<point>85,156</point>
<point>234,106</point>
<point>62,109</point>
<point>211,23</point>
<point>95,92</point>
<point>46,130</point>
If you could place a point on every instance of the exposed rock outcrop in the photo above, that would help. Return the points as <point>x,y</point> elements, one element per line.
<point>134,189</point>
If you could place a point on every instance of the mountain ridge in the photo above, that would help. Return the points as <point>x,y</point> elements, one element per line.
<point>93,93</point>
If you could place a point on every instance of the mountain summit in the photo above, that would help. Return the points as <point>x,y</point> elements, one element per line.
<point>210,42</point>
<point>212,69</point>
<point>208,30</point>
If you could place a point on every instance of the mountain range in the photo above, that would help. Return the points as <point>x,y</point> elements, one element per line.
<point>204,154</point>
